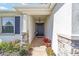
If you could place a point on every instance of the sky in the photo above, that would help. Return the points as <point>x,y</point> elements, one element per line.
<point>5,20</point>
<point>5,6</point>
<point>8,6</point>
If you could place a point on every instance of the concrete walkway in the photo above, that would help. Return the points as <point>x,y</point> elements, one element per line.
<point>38,47</point>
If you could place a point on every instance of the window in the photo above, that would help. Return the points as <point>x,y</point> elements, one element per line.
<point>8,24</point>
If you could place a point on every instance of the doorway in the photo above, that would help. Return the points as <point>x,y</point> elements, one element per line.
<point>39,29</point>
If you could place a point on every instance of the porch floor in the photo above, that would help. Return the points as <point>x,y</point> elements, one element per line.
<point>39,49</point>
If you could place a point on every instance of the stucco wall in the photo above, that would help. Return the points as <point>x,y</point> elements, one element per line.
<point>9,37</point>
<point>75,18</point>
<point>49,26</point>
<point>62,24</point>
<point>75,29</point>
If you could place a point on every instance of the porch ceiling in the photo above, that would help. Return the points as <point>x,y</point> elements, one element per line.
<point>42,17</point>
<point>36,8</point>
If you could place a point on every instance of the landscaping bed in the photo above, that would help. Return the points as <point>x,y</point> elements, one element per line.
<point>47,43</point>
<point>14,49</point>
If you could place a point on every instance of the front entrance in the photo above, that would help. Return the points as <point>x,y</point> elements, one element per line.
<point>39,29</point>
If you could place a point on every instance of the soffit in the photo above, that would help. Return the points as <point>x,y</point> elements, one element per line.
<point>35,8</point>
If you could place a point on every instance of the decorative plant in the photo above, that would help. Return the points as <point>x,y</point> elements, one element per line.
<point>4,46</point>
<point>46,40</point>
<point>17,47</point>
<point>14,47</point>
<point>9,47</point>
<point>17,41</point>
<point>23,52</point>
<point>50,52</point>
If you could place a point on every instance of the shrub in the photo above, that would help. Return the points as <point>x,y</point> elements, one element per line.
<point>9,46</point>
<point>23,52</point>
<point>4,46</point>
<point>17,41</point>
<point>14,46</point>
<point>29,46</point>
<point>0,46</point>
<point>17,47</point>
<point>50,52</point>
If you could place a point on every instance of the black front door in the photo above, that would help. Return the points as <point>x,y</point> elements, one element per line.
<point>39,29</point>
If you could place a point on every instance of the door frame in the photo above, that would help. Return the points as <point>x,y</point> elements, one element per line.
<point>43,29</point>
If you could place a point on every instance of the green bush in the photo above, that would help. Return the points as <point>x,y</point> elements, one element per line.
<point>29,46</point>
<point>17,47</point>
<point>23,52</point>
<point>50,52</point>
<point>17,41</point>
<point>9,46</point>
<point>3,46</point>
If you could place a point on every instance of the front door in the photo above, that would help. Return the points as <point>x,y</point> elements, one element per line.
<point>39,29</point>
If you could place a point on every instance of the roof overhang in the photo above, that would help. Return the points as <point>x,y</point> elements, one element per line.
<point>36,10</point>
<point>9,13</point>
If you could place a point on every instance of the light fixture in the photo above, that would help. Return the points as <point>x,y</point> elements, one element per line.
<point>39,20</point>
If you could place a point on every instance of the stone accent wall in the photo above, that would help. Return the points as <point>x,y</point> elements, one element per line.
<point>64,46</point>
<point>67,46</point>
<point>75,47</point>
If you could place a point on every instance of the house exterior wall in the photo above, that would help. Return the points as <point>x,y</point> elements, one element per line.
<point>75,29</point>
<point>63,16</point>
<point>49,22</point>
<point>11,37</point>
<point>49,26</point>
<point>26,26</point>
<point>68,34</point>
<point>62,26</point>
<point>75,18</point>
